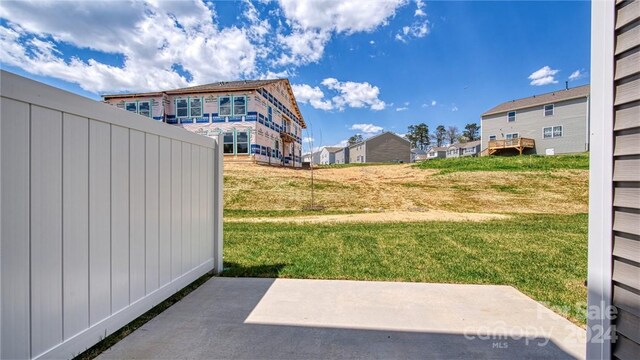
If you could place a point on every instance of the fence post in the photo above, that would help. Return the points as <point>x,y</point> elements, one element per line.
<point>218,204</point>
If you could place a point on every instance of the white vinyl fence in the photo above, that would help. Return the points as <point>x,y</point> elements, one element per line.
<point>104,214</point>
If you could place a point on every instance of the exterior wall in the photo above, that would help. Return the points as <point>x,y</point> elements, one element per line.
<point>431,154</point>
<point>342,156</point>
<point>453,152</point>
<point>104,214</point>
<point>327,157</point>
<point>358,153</point>
<point>388,148</point>
<point>470,151</point>
<point>614,198</point>
<point>265,144</point>
<point>572,115</point>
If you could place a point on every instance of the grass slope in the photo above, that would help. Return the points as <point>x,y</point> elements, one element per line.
<point>508,163</point>
<point>543,256</point>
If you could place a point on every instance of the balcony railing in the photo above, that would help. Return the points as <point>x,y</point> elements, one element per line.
<point>519,144</point>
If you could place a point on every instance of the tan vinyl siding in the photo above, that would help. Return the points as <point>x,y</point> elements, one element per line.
<point>626,181</point>
<point>388,148</point>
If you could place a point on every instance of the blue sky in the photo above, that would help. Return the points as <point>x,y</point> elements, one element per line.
<point>356,66</point>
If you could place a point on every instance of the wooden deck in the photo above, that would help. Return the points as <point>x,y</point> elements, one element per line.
<point>519,144</point>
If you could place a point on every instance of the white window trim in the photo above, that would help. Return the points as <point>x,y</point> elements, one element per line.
<point>230,104</point>
<point>515,114</point>
<point>201,106</point>
<point>515,133</point>
<point>150,107</point>
<point>233,105</point>
<point>544,110</point>
<point>552,134</point>
<point>494,137</point>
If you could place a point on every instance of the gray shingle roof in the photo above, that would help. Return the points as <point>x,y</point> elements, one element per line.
<point>537,100</point>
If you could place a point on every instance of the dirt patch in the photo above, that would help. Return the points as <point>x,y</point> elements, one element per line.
<point>386,217</point>
<point>401,188</point>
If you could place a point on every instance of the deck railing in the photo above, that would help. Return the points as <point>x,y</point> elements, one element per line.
<point>511,143</point>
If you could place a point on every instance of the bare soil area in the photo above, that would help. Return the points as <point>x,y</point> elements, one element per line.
<point>405,191</point>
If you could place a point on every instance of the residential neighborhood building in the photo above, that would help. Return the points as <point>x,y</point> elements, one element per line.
<point>418,155</point>
<point>342,156</point>
<point>453,151</point>
<point>471,148</point>
<point>437,152</point>
<point>551,123</point>
<point>385,147</point>
<point>260,119</point>
<point>312,158</point>
<point>328,155</point>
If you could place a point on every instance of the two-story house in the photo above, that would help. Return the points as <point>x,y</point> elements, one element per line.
<point>551,123</point>
<point>260,119</point>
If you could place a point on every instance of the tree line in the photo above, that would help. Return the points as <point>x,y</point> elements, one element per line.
<point>420,137</point>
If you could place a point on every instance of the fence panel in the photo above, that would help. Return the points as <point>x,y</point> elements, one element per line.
<point>103,213</point>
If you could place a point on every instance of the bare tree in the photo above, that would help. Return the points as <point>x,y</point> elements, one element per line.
<point>453,134</point>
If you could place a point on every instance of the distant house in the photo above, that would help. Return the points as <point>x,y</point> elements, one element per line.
<point>453,151</point>
<point>551,123</point>
<point>418,155</point>
<point>312,158</point>
<point>260,119</point>
<point>386,147</point>
<point>471,148</point>
<point>328,155</point>
<point>436,152</point>
<point>342,156</point>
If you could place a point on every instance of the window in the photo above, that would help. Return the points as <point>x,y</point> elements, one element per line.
<point>228,143</point>
<point>511,136</point>
<point>196,107</point>
<point>140,107</point>
<point>131,106</point>
<point>557,131</point>
<point>270,111</point>
<point>552,132</point>
<point>144,108</point>
<point>239,105</point>
<point>492,137</point>
<point>242,143</point>
<point>224,106</point>
<point>511,116</point>
<point>548,110</point>
<point>182,108</point>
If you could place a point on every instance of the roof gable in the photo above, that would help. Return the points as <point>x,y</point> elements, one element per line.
<point>542,99</point>
<point>377,136</point>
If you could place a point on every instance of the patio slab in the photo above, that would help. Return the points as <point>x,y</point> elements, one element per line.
<point>244,318</point>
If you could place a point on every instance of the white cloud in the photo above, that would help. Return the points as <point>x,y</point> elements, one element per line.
<point>346,16</point>
<point>153,39</point>
<point>367,129</point>
<point>543,76</point>
<point>314,22</point>
<point>576,75</point>
<point>406,103</point>
<point>454,108</point>
<point>302,47</point>
<point>419,28</point>
<point>402,109</point>
<point>372,42</point>
<point>419,9</point>
<point>307,140</point>
<point>433,103</point>
<point>354,94</point>
<point>312,95</point>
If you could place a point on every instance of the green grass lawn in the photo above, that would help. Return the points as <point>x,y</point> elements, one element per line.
<point>508,163</point>
<point>544,256</point>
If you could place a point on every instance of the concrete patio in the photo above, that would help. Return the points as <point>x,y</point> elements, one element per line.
<point>244,318</point>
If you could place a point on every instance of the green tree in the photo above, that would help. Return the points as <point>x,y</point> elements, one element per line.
<point>471,132</point>
<point>418,135</point>
<point>354,139</point>
<point>440,135</point>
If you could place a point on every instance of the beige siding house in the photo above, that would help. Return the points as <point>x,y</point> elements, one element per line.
<point>557,122</point>
<point>471,148</point>
<point>386,147</point>
<point>436,152</point>
<point>453,151</point>
<point>260,119</point>
<point>342,156</point>
<point>328,155</point>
